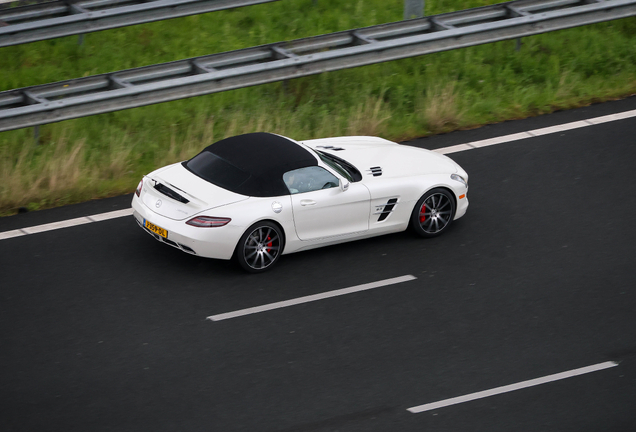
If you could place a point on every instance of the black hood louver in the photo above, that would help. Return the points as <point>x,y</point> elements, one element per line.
<point>330,148</point>
<point>170,193</point>
<point>375,171</point>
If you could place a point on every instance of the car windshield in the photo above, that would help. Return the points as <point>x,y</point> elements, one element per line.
<point>216,170</point>
<point>341,166</point>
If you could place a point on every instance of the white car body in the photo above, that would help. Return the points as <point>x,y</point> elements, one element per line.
<point>391,174</point>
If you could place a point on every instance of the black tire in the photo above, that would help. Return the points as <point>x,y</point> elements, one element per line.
<point>260,247</point>
<point>433,213</point>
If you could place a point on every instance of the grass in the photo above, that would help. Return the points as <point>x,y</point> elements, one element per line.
<point>105,155</point>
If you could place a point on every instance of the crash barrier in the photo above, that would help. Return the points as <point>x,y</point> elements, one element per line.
<point>42,104</point>
<point>64,18</point>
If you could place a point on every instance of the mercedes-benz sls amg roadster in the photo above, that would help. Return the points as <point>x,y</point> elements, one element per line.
<point>258,196</point>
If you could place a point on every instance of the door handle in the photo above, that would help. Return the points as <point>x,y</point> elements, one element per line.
<point>307,202</point>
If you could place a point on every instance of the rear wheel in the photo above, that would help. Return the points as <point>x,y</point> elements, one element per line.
<point>260,247</point>
<point>433,213</point>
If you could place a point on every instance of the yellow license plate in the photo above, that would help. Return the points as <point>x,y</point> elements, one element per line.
<point>155,229</point>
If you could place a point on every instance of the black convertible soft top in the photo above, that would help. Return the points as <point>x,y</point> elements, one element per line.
<point>252,164</point>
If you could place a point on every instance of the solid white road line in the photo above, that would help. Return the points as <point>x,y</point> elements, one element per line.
<point>536,132</point>
<point>446,150</point>
<point>512,387</point>
<point>10,234</point>
<point>311,298</point>
<point>66,223</point>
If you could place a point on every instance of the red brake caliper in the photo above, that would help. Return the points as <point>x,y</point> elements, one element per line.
<point>269,245</point>
<point>422,213</point>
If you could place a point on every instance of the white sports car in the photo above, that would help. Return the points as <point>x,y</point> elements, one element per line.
<point>258,196</point>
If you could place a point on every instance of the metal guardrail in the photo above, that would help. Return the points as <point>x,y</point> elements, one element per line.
<point>69,17</point>
<point>5,4</point>
<point>48,103</point>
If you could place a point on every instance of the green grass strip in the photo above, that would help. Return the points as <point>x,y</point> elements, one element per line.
<point>106,155</point>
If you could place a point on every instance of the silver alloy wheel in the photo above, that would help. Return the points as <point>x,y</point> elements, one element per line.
<point>261,247</point>
<point>435,213</point>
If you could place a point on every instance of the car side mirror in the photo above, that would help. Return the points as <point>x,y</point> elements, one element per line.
<point>344,185</point>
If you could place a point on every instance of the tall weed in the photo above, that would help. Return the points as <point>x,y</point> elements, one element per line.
<point>369,117</point>
<point>439,108</point>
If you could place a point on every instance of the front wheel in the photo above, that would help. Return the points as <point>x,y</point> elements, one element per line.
<point>433,213</point>
<point>260,247</point>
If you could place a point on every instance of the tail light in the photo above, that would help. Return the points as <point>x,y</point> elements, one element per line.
<point>208,221</point>
<point>139,186</point>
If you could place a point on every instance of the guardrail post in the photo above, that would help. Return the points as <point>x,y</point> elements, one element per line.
<point>36,134</point>
<point>413,9</point>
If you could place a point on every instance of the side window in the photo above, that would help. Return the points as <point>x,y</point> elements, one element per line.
<point>309,179</point>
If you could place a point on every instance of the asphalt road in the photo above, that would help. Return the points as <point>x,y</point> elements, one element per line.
<point>104,329</point>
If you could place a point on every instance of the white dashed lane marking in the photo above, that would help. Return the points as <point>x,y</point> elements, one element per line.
<point>311,298</point>
<point>446,150</point>
<point>512,387</point>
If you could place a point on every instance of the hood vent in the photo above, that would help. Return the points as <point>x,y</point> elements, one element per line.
<point>170,193</point>
<point>375,171</point>
<point>330,148</point>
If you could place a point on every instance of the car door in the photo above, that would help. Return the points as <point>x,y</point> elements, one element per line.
<point>322,209</point>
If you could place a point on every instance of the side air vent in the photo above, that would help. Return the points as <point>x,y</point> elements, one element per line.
<point>169,192</point>
<point>330,148</point>
<point>387,209</point>
<point>375,171</point>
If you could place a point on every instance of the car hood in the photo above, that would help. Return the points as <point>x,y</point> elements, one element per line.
<point>176,193</point>
<point>379,158</point>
